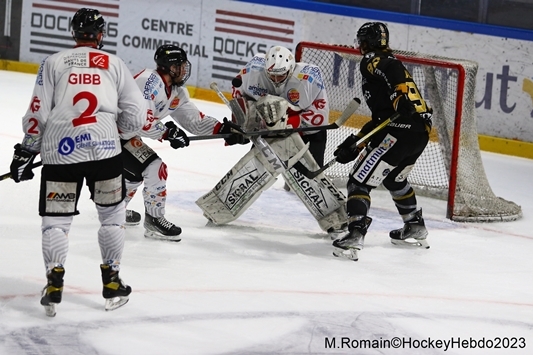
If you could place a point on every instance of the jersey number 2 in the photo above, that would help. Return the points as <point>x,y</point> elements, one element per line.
<point>86,116</point>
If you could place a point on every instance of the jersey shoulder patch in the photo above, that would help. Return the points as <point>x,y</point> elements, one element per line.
<point>310,73</point>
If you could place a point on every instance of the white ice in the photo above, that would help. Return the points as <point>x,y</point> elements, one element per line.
<point>266,283</point>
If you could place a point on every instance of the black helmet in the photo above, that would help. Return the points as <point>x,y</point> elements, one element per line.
<point>87,24</point>
<point>167,55</point>
<point>374,34</point>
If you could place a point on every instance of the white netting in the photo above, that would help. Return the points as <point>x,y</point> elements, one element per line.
<point>452,156</point>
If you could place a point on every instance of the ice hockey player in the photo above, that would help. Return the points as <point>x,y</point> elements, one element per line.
<point>73,123</point>
<point>166,95</point>
<point>274,92</point>
<point>391,153</point>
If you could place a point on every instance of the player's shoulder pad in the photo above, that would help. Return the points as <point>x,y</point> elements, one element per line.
<point>309,73</point>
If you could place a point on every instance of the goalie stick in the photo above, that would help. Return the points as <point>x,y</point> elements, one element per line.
<point>312,174</point>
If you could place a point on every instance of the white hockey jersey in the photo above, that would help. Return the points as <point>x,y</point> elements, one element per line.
<point>304,89</point>
<point>73,114</point>
<point>170,101</point>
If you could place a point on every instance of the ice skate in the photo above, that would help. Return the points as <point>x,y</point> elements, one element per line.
<point>53,290</point>
<point>160,228</point>
<point>115,291</point>
<point>132,218</point>
<point>353,242</point>
<point>412,234</point>
<point>335,232</point>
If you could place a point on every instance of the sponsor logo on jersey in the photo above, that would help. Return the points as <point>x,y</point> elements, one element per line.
<point>314,75</point>
<point>98,60</point>
<point>305,77</point>
<point>66,146</point>
<point>371,161</point>
<point>293,96</point>
<point>149,87</point>
<point>174,104</point>
<point>35,104</point>
<point>257,91</point>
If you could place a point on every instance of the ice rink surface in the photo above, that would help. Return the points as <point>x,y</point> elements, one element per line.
<point>267,283</point>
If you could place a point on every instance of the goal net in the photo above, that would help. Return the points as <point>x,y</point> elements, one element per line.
<point>450,167</point>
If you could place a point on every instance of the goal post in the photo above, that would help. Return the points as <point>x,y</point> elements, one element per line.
<point>450,167</point>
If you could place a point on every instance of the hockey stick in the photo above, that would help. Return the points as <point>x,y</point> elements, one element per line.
<point>212,136</point>
<point>312,174</point>
<point>8,175</point>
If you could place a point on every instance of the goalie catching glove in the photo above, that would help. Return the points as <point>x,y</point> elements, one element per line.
<point>22,164</point>
<point>348,150</point>
<point>176,136</point>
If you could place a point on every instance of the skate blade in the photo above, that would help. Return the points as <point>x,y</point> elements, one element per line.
<point>113,303</point>
<point>350,254</point>
<point>157,236</point>
<point>50,309</point>
<point>422,243</point>
<point>131,224</point>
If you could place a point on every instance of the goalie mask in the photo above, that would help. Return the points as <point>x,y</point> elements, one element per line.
<point>372,36</point>
<point>172,60</point>
<point>279,66</point>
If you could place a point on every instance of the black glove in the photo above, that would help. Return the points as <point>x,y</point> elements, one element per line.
<point>427,118</point>
<point>229,127</point>
<point>403,105</point>
<point>176,136</point>
<point>22,164</point>
<point>348,150</point>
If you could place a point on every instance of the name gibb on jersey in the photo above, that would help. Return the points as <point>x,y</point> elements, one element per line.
<point>370,162</point>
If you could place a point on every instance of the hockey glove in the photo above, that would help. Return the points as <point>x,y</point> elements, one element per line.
<point>176,136</point>
<point>427,118</point>
<point>348,150</point>
<point>22,164</point>
<point>229,127</point>
<point>401,102</point>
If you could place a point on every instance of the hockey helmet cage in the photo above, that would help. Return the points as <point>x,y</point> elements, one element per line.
<point>280,62</point>
<point>374,34</point>
<point>168,55</point>
<point>87,24</point>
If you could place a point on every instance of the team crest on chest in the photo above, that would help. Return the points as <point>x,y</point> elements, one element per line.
<point>175,102</point>
<point>293,96</point>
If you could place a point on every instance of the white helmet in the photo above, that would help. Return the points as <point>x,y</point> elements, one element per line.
<point>279,65</point>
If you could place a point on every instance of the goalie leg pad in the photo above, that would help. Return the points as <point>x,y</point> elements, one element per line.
<point>320,196</point>
<point>238,189</point>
